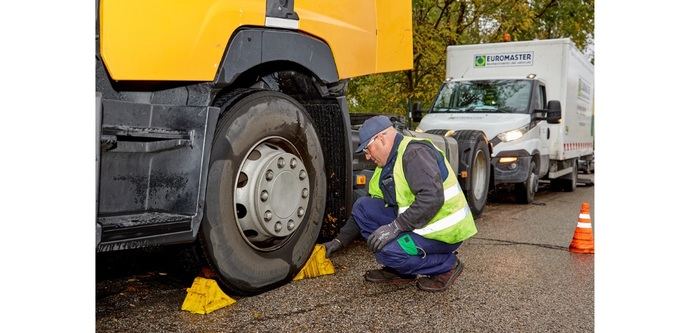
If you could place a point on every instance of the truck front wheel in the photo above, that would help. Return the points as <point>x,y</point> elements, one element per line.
<point>266,192</point>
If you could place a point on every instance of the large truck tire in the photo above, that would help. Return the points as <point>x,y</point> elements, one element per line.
<point>266,192</point>
<point>525,191</point>
<point>474,154</point>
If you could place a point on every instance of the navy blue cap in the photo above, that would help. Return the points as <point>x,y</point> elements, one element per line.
<point>371,127</point>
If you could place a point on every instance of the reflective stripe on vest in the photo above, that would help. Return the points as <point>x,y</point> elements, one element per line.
<point>443,223</point>
<point>448,194</point>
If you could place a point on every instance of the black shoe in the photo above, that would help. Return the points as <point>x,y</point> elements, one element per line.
<point>388,275</point>
<point>442,281</point>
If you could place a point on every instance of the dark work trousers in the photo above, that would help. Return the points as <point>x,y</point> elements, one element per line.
<point>434,258</point>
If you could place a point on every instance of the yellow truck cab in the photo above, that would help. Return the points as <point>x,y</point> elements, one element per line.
<point>224,122</point>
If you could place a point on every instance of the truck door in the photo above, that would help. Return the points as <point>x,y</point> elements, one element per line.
<point>544,132</point>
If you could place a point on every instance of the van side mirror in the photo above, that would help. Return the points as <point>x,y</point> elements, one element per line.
<point>552,114</point>
<point>416,112</point>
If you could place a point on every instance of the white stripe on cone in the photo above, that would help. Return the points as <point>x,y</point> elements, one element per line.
<point>584,225</point>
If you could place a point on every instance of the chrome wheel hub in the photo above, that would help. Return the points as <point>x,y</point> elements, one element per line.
<point>271,193</point>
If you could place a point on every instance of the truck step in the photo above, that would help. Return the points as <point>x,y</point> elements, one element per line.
<point>121,227</point>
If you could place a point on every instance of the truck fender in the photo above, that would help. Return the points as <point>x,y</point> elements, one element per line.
<point>250,47</point>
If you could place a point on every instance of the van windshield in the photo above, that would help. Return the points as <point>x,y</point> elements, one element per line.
<point>485,96</point>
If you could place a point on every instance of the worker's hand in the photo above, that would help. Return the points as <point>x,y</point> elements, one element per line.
<point>381,236</point>
<point>332,246</point>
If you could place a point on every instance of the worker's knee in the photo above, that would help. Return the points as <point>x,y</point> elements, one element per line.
<point>360,216</point>
<point>361,206</point>
<point>370,213</point>
<point>358,207</point>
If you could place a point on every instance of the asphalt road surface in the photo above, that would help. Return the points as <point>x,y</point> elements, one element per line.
<point>519,277</point>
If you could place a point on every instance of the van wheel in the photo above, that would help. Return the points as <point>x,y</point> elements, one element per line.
<point>479,169</point>
<point>266,192</point>
<point>525,191</point>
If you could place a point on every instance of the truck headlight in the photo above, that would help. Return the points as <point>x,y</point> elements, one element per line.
<point>513,134</point>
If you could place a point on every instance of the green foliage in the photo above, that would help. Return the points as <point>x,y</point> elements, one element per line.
<point>439,23</point>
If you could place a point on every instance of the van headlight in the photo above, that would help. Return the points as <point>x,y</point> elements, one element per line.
<point>513,134</point>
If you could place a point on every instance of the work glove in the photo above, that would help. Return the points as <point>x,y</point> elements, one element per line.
<point>381,236</point>
<point>332,246</point>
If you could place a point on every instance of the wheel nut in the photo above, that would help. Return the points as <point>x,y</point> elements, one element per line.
<point>278,227</point>
<point>293,163</point>
<point>305,193</point>
<point>281,162</point>
<point>300,212</point>
<point>264,196</point>
<point>269,175</point>
<point>268,215</point>
<point>302,175</point>
<point>291,225</point>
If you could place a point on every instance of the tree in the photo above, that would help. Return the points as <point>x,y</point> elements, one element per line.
<point>439,23</point>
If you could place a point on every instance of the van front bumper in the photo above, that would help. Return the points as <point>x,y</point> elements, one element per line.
<point>515,170</point>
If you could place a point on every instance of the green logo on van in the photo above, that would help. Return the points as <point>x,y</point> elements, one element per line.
<point>480,61</point>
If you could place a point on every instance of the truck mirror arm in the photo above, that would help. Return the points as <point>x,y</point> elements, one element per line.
<point>552,114</point>
<point>540,114</point>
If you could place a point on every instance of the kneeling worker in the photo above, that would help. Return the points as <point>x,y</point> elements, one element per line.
<point>417,215</point>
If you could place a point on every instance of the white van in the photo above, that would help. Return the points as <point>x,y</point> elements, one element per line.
<point>532,100</point>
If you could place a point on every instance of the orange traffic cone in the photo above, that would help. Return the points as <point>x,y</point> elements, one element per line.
<point>583,240</point>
